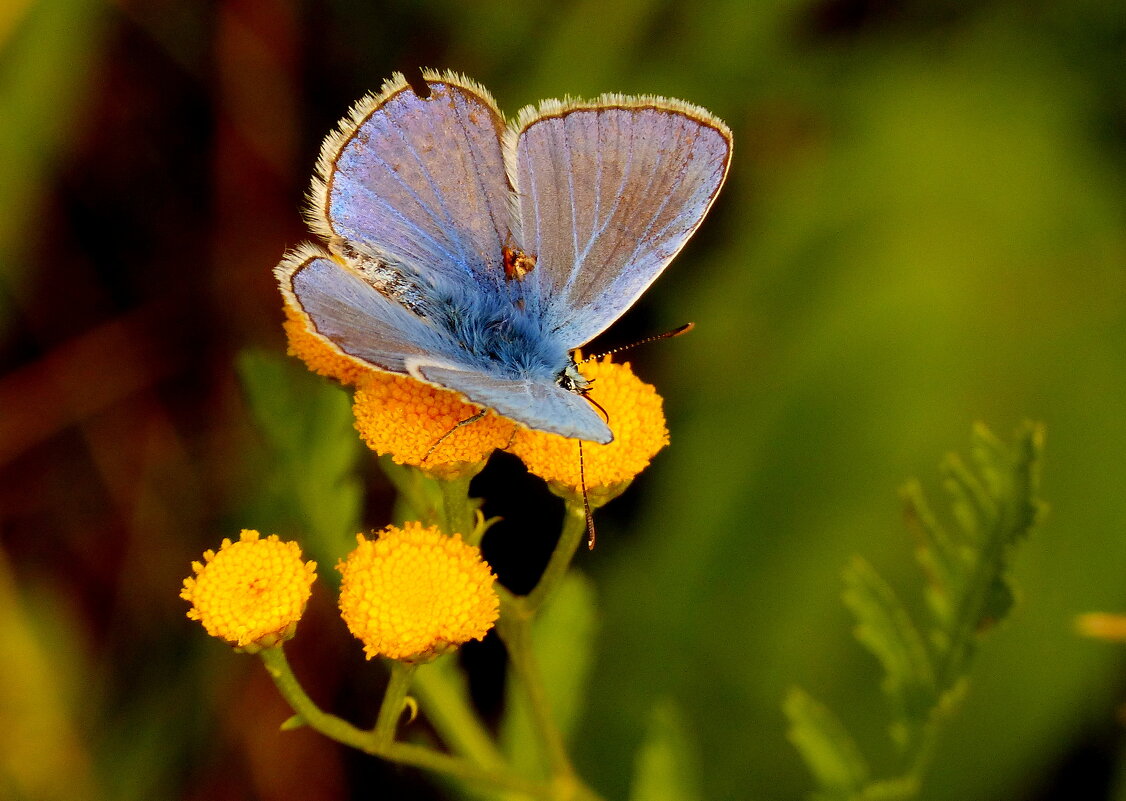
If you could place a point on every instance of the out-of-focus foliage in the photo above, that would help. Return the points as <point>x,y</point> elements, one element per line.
<point>969,591</point>
<point>923,227</point>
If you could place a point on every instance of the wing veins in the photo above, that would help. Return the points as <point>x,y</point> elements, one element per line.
<point>664,204</point>
<point>648,187</point>
<point>437,194</point>
<point>477,174</point>
<point>597,233</point>
<point>571,192</point>
<point>386,204</point>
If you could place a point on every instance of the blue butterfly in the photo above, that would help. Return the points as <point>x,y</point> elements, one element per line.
<point>476,255</point>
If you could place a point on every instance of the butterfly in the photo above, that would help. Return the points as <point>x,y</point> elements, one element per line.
<point>477,254</point>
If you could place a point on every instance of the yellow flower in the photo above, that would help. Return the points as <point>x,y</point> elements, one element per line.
<point>318,355</point>
<point>405,418</point>
<point>635,417</point>
<point>1103,625</point>
<point>414,593</point>
<point>252,592</point>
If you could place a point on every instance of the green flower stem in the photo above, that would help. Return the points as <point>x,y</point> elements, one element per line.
<point>404,753</point>
<point>573,533</point>
<point>311,715</point>
<point>442,694</point>
<point>394,699</point>
<point>515,628</point>
<point>458,513</point>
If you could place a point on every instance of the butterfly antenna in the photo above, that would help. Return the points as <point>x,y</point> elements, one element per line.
<point>586,501</point>
<point>684,329</point>
<point>456,426</point>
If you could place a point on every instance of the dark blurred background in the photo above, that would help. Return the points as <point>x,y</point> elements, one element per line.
<point>923,227</point>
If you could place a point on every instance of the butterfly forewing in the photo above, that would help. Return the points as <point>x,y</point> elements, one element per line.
<point>419,182</point>
<point>609,192</point>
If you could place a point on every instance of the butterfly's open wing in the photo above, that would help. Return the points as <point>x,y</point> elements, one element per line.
<point>609,191</point>
<point>419,183</point>
<point>542,405</point>
<point>352,316</point>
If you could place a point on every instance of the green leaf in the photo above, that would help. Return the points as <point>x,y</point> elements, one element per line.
<point>1009,479</point>
<point>885,629</point>
<point>563,643</point>
<point>44,699</point>
<point>826,747</point>
<point>665,768</point>
<point>995,505</point>
<point>307,425</point>
<point>971,504</point>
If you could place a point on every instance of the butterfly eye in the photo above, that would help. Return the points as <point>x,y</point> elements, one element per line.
<point>572,380</point>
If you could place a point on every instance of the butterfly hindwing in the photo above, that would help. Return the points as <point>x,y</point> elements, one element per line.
<point>345,309</point>
<point>542,405</point>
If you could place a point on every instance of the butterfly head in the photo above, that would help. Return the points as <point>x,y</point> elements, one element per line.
<point>572,380</point>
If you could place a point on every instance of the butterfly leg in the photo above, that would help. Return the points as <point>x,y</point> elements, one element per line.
<point>444,437</point>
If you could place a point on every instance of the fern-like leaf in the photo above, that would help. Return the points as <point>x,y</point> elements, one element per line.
<point>993,505</point>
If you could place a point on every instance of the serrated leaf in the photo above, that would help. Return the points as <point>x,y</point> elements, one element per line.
<point>968,591</point>
<point>885,629</point>
<point>973,506</point>
<point>826,747</point>
<point>665,768</point>
<point>936,553</point>
<point>1027,507</point>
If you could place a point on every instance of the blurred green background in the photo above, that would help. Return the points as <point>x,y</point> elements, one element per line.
<point>923,227</point>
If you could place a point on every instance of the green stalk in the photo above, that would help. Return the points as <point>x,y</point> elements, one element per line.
<point>394,699</point>
<point>441,693</point>
<point>573,533</point>
<point>458,511</point>
<point>418,756</point>
<point>515,628</point>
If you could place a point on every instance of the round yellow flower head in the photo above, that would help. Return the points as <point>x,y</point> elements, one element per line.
<point>417,424</point>
<point>318,355</point>
<point>252,592</point>
<point>413,593</point>
<point>636,418</point>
